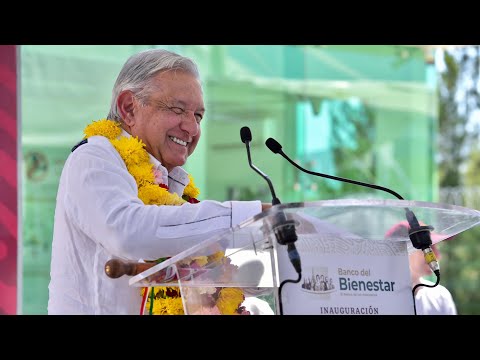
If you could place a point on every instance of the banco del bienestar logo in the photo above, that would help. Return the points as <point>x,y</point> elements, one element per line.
<point>317,281</point>
<point>360,282</point>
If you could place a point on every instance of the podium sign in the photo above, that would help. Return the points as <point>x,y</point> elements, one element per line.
<point>347,277</point>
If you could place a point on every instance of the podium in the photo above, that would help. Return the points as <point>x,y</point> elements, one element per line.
<point>348,264</point>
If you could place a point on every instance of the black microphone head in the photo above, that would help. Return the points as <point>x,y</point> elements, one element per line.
<point>273,145</point>
<point>245,134</point>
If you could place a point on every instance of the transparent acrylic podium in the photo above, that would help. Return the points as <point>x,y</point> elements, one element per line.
<point>246,258</point>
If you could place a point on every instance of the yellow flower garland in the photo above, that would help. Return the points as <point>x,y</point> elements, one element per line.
<point>167,300</point>
<point>132,150</point>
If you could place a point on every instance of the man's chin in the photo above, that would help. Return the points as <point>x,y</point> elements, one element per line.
<point>173,164</point>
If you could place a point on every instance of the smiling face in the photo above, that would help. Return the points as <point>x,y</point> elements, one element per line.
<point>168,120</point>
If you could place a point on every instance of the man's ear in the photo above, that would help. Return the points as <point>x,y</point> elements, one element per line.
<point>126,103</point>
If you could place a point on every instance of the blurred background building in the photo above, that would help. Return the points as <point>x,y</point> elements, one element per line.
<point>371,113</point>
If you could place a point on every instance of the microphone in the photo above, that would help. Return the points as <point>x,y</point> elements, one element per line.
<point>284,229</point>
<point>276,148</point>
<point>246,136</point>
<point>419,235</point>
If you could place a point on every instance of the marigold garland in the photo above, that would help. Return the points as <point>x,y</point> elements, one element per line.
<point>167,300</point>
<point>132,150</point>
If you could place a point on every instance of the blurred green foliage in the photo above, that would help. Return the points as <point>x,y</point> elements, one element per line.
<point>460,269</point>
<point>459,162</point>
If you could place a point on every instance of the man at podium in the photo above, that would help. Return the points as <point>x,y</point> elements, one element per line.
<point>123,192</point>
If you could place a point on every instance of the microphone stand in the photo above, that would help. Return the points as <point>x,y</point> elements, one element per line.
<point>419,235</point>
<point>246,137</point>
<point>284,229</point>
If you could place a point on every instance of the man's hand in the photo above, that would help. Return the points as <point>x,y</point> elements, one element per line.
<point>266,206</point>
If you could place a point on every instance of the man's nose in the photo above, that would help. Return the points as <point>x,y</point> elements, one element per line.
<point>190,124</point>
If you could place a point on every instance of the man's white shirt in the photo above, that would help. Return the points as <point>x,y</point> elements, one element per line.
<point>98,216</point>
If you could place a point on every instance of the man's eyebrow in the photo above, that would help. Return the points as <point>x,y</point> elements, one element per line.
<point>184,104</point>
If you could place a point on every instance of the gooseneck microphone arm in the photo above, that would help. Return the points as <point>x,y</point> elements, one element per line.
<point>284,229</point>
<point>246,137</point>
<point>419,235</point>
<point>276,148</point>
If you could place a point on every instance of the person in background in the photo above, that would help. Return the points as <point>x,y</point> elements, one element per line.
<point>428,300</point>
<point>123,192</point>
